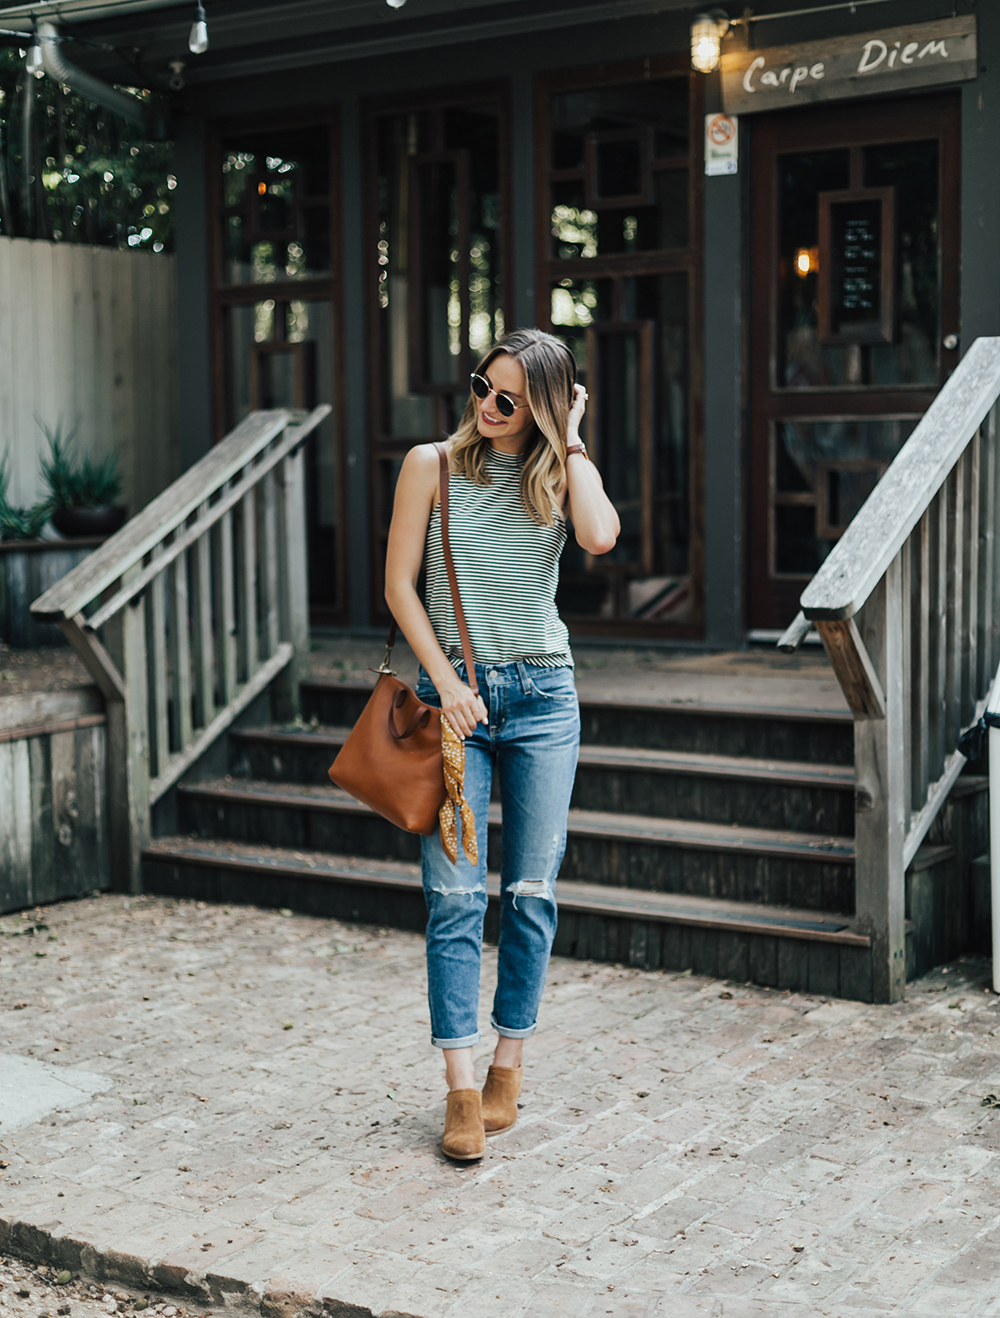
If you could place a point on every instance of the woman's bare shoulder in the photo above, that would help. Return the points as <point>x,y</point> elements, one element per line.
<point>418,477</point>
<point>422,459</point>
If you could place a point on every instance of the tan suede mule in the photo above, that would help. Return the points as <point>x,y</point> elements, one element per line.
<point>500,1094</point>
<point>464,1137</point>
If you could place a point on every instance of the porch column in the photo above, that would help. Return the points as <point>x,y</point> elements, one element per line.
<point>355,365</point>
<point>522,150</point>
<point>194,355</point>
<point>723,478</point>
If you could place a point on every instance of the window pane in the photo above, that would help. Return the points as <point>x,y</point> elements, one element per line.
<point>911,170</point>
<point>617,140</point>
<point>280,354</point>
<point>635,366</point>
<point>276,205</point>
<point>438,261</point>
<point>824,471</point>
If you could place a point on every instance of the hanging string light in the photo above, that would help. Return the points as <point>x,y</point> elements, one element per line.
<point>198,40</point>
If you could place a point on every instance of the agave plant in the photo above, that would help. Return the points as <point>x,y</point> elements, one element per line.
<point>19,523</point>
<point>78,484</point>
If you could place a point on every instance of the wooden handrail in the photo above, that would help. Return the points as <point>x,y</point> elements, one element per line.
<point>203,597</point>
<point>169,510</point>
<point>861,556</point>
<point>908,607</point>
<point>294,436</point>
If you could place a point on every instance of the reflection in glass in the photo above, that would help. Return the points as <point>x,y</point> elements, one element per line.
<point>823,473</point>
<point>618,189</point>
<point>280,354</point>
<point>911,168</point>
<point>635,367</point>
<point>437,261</point>
<point>276,205</point>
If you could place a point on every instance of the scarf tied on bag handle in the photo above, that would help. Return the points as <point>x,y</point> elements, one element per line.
<point>455,805</point>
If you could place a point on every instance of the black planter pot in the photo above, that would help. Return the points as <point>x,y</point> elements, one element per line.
<point>89,521</point>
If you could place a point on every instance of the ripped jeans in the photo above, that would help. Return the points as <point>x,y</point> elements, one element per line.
<point>533,739</point>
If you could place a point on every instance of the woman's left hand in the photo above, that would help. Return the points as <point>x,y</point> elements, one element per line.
<point>576,411</point>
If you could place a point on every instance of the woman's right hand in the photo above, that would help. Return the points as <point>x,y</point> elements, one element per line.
<point>462,707</point>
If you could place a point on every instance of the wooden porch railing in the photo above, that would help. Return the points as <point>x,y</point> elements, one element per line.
<point>908,607</point>
<point>190,612</point>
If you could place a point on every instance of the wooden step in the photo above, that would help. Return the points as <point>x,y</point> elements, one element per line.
<point>736,767</point>
<point>819,951</point>
<point>778,794</point>
<point>815,735</point>
<point>582,823</point>
<point>738,863</point>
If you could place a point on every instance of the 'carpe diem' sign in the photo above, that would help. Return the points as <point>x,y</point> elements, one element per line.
<point>920,55</point>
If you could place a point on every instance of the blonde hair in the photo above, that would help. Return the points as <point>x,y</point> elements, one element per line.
<point>549,374</point>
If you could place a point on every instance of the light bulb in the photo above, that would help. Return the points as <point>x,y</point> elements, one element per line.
<point>198,40</point>
<point>395,4</point>
<point>34,61</point>
<point>707,31</point>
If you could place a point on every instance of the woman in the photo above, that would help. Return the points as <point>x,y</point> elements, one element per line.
<point>518,472</point>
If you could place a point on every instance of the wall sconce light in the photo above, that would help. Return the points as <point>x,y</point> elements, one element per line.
<point>806,261</point>
<point>707,31</point>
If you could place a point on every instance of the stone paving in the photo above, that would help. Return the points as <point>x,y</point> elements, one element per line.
<point>268,1138</point>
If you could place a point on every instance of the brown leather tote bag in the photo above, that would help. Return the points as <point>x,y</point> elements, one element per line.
<point>392,759</point>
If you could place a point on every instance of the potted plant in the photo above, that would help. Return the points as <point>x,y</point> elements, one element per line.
<point>83,494</point>
<point>29,565</point>
<point>19,523</point>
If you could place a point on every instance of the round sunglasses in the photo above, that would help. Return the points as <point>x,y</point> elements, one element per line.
<point>482,388</point>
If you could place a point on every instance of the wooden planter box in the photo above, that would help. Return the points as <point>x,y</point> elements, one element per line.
<point>54,814</point>
<point>27,569</point>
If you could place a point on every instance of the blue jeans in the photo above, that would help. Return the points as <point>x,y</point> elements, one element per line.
<point>533,739</point>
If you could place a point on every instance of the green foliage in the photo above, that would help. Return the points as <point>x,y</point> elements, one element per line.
<point>91,176</point>
<point>78,484</point>
<point>19,523</point>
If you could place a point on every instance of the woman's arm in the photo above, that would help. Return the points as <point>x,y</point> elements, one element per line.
<point>592,513</point>
<point>416,494</point>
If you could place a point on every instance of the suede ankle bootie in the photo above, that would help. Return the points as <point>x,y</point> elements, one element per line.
<point>464,1137</point>
<point>500,1093</point>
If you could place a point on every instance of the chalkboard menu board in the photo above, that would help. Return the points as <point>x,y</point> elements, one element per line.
<point>856,281</point>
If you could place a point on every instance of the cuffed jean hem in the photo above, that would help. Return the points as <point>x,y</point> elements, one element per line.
<point>505,1033</point>
<point>467,1042</point>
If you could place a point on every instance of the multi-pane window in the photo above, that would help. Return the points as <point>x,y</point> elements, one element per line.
<point>436,274</point>
<point>275,313</point>
<point>620,270</point>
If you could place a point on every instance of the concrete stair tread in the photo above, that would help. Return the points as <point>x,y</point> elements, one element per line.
<point>688,763</point>
<point>574,897</point>
<point>630,701</point>
<point>582,823</point>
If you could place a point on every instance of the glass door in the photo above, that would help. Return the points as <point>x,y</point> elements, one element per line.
<point>854,267</point>
<point>619,261</point>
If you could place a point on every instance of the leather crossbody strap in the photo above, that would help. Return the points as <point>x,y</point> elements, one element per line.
<point>456,598</point>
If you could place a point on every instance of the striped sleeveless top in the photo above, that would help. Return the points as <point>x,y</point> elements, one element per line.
<point>507,568</point>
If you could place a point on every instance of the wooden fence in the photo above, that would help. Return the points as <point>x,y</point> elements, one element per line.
<point>87,338</point>
<point>908,607</point>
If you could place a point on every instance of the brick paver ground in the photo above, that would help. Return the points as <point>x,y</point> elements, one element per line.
<point>686,1147</point>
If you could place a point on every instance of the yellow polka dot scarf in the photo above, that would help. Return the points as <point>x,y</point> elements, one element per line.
<point>455,805</point>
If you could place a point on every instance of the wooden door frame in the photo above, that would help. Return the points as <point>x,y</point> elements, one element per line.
<point>688,260</point>
<point>908,119</point>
